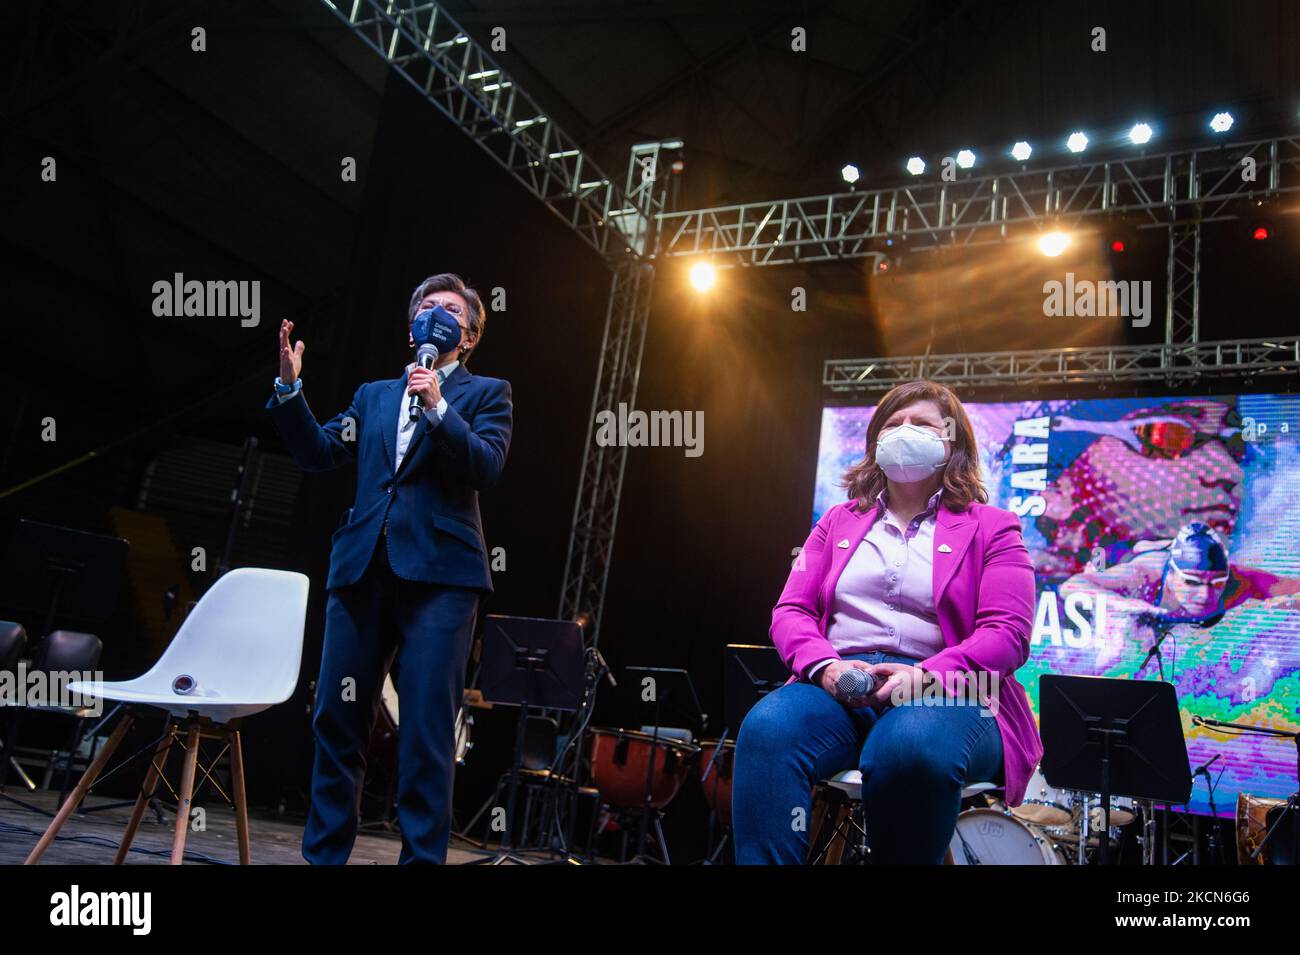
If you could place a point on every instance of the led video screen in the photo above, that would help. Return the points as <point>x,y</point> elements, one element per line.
<point>1169,522</point>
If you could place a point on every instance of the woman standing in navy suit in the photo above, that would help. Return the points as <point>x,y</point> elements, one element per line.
<point>406,571</point>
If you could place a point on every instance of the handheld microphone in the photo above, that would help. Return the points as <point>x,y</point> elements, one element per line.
<point>426,357</point>
<point>855,683</point>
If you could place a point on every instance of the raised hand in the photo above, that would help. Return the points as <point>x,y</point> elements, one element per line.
<point>290,355</point>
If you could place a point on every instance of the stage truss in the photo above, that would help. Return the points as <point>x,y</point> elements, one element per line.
<point>1068,366</point>
<point>630,227</point>
<point>1180,189</point>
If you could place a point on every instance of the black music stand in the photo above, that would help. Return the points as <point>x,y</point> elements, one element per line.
<point>67,575</point>
<point>64,573</point>
<point>749,674</point>
<point>1113,737</point>
<point>528,662</point>
<point>673,695</point>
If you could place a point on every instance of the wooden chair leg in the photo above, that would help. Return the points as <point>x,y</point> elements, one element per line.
<point>186,795</point>
<point>79,793</point>
<point>146,793</point>
<point>241,804</point>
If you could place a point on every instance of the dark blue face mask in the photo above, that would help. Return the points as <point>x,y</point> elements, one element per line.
<point>438,327</point>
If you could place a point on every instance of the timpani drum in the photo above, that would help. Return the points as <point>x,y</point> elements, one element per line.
<point>620,766</point>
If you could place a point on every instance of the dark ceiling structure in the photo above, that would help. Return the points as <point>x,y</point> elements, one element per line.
<point>115,89</point>
<point>876,81</point>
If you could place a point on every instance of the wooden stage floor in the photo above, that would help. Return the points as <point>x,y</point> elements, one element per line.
<point>92,838</point>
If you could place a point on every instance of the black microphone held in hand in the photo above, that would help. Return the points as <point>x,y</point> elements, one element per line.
<point>854,684</point>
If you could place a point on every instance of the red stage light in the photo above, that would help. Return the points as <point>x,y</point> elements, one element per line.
<point>1260,233</point>
<point>1117,246</point>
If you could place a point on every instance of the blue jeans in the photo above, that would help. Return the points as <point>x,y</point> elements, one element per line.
<point>914,759</point>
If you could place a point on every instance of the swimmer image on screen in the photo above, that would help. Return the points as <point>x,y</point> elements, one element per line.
<point>1188,580</point>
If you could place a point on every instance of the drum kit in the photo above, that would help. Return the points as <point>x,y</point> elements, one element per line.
<point>1051,827</point>
<point>635,774</point>
<point>635,770</point>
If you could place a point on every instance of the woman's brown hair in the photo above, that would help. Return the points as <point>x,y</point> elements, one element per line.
<point>961,476</point>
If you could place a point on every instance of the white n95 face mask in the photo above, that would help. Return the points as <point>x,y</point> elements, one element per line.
<point>907,453</point>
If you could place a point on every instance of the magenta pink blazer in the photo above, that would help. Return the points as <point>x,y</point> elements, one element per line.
<point>984,595</point>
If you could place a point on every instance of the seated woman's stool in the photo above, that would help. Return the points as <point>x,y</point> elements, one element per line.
<point>838,834</point>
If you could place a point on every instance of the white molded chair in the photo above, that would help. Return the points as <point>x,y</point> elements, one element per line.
<point>237,653</point>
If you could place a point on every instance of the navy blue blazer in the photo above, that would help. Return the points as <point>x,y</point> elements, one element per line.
<point>435,534</point>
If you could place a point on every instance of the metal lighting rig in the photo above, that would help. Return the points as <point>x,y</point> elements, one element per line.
<point>630,227</point>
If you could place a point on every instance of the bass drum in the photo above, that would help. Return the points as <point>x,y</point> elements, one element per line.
<point>464,721</point>
<point>989,837</point>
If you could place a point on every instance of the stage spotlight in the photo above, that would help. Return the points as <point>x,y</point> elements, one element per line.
<point>1221,123</point>
<point>1077,142</point>
<point>1117,246</point>
<point>1021,151</point>
<point>850,173</point>
<point>1052,244</point>
<point>703,276</point>
<point>916,165</point>
<point>1140,134</point>
<point>965,159</point>
<point>1259,232</point>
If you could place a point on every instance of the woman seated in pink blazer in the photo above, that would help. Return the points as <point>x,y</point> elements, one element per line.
<point>919,583</point>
